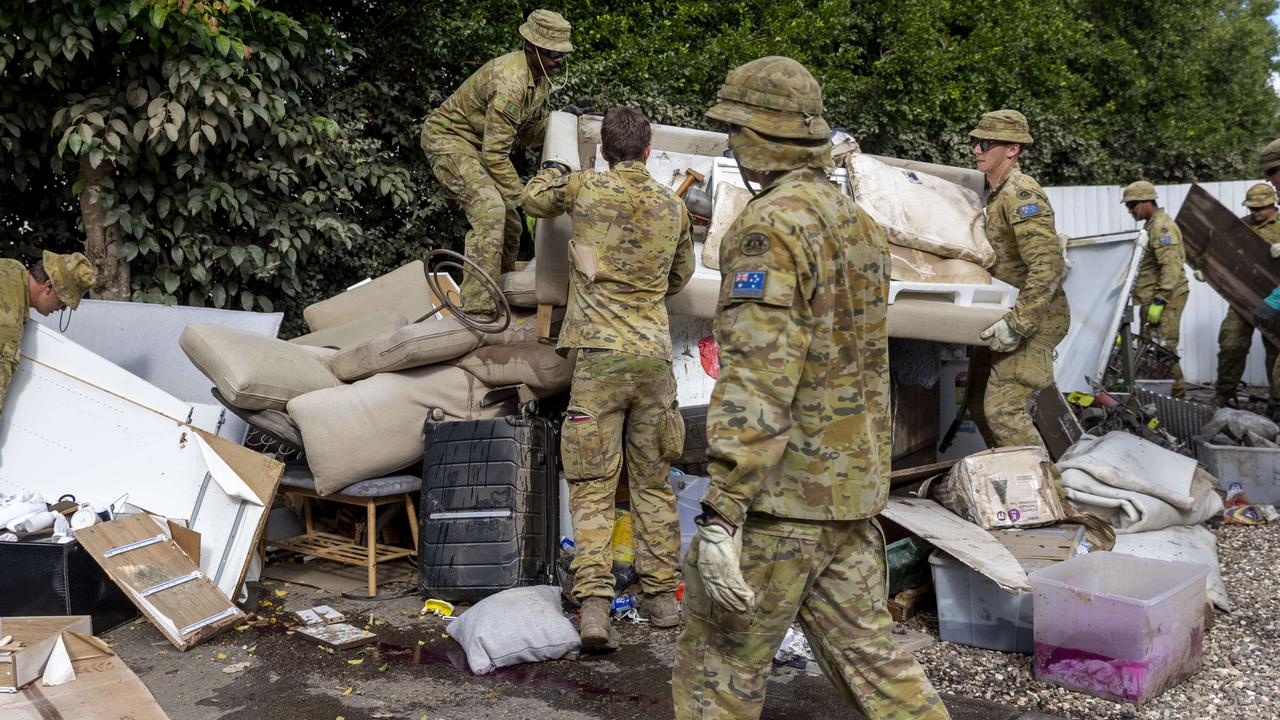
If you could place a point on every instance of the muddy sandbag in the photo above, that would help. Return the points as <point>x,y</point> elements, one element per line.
<point>540,631</point>
<point>534,364</point>
<point>424,343</point>
<point>374,426</point>
<point>355,332</point>
<point>256,372</point>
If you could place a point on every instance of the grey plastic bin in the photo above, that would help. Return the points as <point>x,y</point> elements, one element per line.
<point>1256,469</point>
<point>973,610</point>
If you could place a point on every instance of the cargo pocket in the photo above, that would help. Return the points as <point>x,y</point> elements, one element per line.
<point>671,435</point>
<point>582,448</point>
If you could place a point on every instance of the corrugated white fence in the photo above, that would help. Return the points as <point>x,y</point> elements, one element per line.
<point>1094,210</point>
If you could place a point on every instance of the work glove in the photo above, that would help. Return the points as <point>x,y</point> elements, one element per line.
<point>719,564</point>
<point>1154,310</point>
<point>1001,337</point>
<point>1199,274</point>
<point>1275,250</point>
<point>1143,240</point>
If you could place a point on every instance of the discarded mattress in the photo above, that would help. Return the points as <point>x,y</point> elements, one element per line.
<point>256,372</point>
<point>1136,485</point>
<point>374,427</point>
<point>921,211</point>
<point>423,343</point>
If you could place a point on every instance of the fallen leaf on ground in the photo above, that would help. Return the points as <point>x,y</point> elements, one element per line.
<point>347,692</point>
<point>355,661</point>
<point>237,667</point>
<point>221,656</point>
<point>281,593</point>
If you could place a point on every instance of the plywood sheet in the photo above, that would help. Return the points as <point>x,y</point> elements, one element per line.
<point>183,604</point>
<point>962,539</point>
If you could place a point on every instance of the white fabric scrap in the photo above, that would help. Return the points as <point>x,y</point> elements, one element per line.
<point>58,669</point>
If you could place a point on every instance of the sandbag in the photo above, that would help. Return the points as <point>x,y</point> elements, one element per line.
<point>519,288</point>
<point>920,211</point>
<point>492,640</point>
<point>534,364</point>
<point>425,343</point>
<point>355,332</point>
<point>910,265</point>
<point>374,427</point>
<point>256,372</point>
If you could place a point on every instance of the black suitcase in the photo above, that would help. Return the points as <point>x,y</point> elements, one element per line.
<point>43,577</point>
<point>489,508</point>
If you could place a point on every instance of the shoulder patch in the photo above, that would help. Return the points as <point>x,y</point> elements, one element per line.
<point>754,244</point>
<point>1028,210</point>
<point>1166,240</point>
<point>510,108</point>
<point>748,284</point>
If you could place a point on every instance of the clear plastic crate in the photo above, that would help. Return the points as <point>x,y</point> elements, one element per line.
<point>1118,626</point>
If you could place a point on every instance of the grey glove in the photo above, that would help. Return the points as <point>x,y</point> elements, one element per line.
<point>719,563</point>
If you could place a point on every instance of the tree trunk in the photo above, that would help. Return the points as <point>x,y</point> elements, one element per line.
<point>102,244</point>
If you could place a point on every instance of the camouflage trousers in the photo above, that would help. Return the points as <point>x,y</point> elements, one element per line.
<point>1167,333</point>
<point>622,399</point>
<point>1235,337</point>
<point>1000,384</point>
<point>832,577</point>
<point>494,238</point>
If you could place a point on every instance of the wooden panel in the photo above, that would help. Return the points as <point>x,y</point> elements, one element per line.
<point>188,612</point>
<point>1234,260</point>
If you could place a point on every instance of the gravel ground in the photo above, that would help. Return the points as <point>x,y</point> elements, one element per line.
<point>1240,677</point>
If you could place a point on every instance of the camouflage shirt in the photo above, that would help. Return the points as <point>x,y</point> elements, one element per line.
<point>632,246</point>
<point>798,423</point>
<point>15,304</point>
<point>1028,255</point>
<point>1160,273</point>
<point>499,102</point>
<point>1268,230</point>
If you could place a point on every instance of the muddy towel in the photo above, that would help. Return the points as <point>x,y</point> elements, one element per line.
<point>1136,485</point>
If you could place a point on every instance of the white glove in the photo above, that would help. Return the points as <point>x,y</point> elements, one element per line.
<point>1199,275</point>
<point>719,557</point>
<point>1001,337</point>
<point>1275,250</point>
<point>1143,241</point>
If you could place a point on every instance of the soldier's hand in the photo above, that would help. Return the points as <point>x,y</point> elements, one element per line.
<point>1154,310</point>
<point>719,563</point>
<point>1199,274</point>
<point>1275,250</point>
<point>1001,337</point>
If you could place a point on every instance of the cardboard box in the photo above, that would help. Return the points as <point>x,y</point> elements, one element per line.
<point>23,660</point>
<point>104,688</point>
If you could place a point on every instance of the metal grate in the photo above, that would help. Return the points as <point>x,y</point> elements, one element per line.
<point>1181,418</point>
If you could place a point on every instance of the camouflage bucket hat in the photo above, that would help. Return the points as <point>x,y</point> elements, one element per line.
<point>1003,126</point>
<point>757,152</point>
<point>548,30</point>
<point>1270,156</point>
<point>1259,196</point>
<point>72,276</point>
<point>773,95</point>
<point>1138,191</point>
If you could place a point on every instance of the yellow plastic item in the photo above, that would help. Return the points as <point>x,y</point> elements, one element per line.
<point>623,548</point>
<point>439,608</point>
<point>1079,398</point>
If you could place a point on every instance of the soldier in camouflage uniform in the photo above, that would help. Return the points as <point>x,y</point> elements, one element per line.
<point>798,428</point>
<point>632,246</point>
<point>469,138</point>
<point>1235,337</point>
<point>1160,290</point>
<point>1269,163</point>
<point>54,283</point>
<point>1019,224</point>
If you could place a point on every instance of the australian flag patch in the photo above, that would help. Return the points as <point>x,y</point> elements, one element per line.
<point>1166,240</point>
<point>748,284</point>
<point>1028,210</point>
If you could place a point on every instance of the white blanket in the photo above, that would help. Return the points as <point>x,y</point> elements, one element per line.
<point>1136,485</point>
<point>1185,544</point>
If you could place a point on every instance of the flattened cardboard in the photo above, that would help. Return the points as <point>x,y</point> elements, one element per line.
<point>340,636</point>
<point>140,558</point>
<point>33,640</point>
<point>963,540</point>
<point>104,689</point>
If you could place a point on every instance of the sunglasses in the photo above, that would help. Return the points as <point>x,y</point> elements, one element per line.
<point>1272,171</point>
<point>551,54</point>
<point>983,144</point>
<point>1132,204</point>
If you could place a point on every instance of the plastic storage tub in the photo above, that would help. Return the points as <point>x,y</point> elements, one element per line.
<point>1256,469</point>
<point>973,610</point>
<point>1118,626</point>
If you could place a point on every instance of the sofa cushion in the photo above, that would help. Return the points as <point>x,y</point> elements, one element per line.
<point>425,343</point>
<point>256,372</point>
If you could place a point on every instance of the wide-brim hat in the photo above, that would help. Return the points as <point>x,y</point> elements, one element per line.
<point>1138,191</point>
<point>548,30</point>
<point>1259,195</point>
<point>1003,126</point>
<point>71,275</point>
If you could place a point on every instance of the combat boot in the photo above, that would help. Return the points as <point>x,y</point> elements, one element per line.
<point>593,626</point>
<point>661,609</point>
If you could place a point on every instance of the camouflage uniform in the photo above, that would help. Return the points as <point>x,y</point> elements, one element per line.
<point>15,304</point>
<point>1028,256</point>
<point>1160,274</point>
<point>1235,337</point>
<point>632,246</point>
<point>798,430</point>
<point>468,142</point>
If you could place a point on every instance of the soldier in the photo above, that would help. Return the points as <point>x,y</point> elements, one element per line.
<point>1160,290</point>
<point>54,283</point>
<point>469,138</point>
<point>798,427</point>
<point>632,246</point>
<point>1269,163</point>
<point>1236,334</point>
<point>1019,223</point>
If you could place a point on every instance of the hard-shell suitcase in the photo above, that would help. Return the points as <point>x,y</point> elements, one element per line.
<point>489,507</point>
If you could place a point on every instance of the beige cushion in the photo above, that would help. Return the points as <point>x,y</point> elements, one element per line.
<point>518,287</point>
<point>912,265</point>
<point>534,364</point>
<point>425,343</point>
<point>699,298</point>
<point>356,332</point>
<point>523,328</point>
<point>256,372</point>
<point>941,321</point>
<point>404,289</point>
<point>374,427</point>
